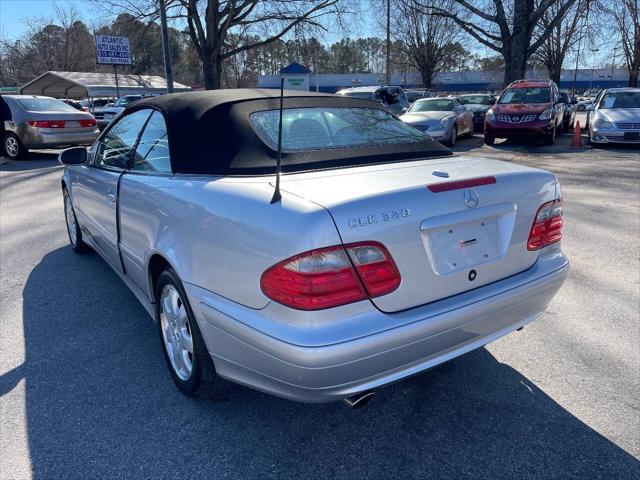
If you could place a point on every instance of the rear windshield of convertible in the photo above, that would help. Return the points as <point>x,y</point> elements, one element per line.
<point>326,128</point>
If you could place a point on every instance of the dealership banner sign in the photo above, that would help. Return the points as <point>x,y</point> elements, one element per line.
<point>112,50</point>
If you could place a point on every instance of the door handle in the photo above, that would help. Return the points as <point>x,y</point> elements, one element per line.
<point>111,197</point>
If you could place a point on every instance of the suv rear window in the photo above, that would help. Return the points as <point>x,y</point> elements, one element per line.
<point>526,95</point>
<point>324,128</point>
<point>44,105</point>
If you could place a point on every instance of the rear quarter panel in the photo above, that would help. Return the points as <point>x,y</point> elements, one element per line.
<point>220,234</point>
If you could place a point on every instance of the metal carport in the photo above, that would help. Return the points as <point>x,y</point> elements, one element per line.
<point>89,84</point>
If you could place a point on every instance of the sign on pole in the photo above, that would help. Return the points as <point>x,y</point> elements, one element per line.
<point>112,50</point>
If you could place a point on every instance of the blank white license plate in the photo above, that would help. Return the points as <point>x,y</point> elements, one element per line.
<point>464,240</point>
<point>72,124</point>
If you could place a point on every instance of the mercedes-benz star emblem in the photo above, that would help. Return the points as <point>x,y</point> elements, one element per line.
<point>471,198</point>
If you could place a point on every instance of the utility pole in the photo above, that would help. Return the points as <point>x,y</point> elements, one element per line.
<point>165,46</point>
<point>593,66</point>
<point>613,61</point>
<point>388,67</point>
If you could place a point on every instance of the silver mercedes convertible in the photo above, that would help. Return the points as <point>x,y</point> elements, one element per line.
<point>318,252</point>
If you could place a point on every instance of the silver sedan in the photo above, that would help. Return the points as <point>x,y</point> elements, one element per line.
<point>45,122</point>
<point>443,119</point>
<point>380,256</point>
<point>615,117</point>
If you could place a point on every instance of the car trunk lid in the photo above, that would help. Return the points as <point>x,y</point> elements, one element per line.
<point>452,237</point>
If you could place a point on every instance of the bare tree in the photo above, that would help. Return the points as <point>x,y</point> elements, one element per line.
<point>211,22</point>
<point>428,41</point>
<point>506,27</point>
<point>625,16</point>
<point>564,35</point>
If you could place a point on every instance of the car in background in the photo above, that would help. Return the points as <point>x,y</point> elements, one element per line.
<point>615,117</point>
<point>443,118</point>
<point>478,103</point>
<point>526,108</point>
<point>92,104</point>
<point>393,98</point>
<point>45,122</point>
<point>74,104</point>
<point>107,113</point>
<point>569,103</point>
<point>382,256</point>
<point>414,94</point>
<point>582,105</point>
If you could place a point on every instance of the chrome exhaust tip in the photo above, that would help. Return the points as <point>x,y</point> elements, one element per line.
<point>358,400</point>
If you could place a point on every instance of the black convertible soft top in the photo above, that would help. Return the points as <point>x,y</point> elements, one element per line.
<point>210,133</point>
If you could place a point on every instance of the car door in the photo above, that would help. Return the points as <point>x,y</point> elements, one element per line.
<point>462,117</point>
<point>142,201</point>
<point>95,192</point>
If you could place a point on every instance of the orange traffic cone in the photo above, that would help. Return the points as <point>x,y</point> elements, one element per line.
<point>576,142</point>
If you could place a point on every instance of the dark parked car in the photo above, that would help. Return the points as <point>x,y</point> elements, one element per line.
<point>74,104</point>
<point>569,102</point>
<point>526,107</point>
<point>417,93</point>
<point>393,98</point>
<point>478,104</point>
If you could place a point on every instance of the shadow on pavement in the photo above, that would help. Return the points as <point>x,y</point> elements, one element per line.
<point>36,159</point>
<point>100,403</point>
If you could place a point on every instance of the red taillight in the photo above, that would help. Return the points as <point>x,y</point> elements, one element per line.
<point>47,123</point>
<point>326,277</point>
<point>547,226</point>
<point>460,184</point>
<point>88,122</point>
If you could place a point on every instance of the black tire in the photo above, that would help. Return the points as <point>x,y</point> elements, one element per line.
<point>13,147</point>
<point>550,138</point>
<point>453,137</point>
<point>203,380</point>
<point>78,244</point>
<point>581,108</point>
<point>489,139</point>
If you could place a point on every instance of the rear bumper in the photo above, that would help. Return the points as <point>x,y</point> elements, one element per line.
<point>432,334</point>
<point>47,138</point>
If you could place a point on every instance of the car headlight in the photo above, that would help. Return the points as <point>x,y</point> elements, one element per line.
<point>444,122</point>
<point>490,115</point>
<point>546,115</point>
<point>602,123</point>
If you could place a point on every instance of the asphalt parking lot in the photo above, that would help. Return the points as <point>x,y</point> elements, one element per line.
<point>84,391</point>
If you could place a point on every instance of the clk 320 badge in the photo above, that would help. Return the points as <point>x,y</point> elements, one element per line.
<point>376,218</point>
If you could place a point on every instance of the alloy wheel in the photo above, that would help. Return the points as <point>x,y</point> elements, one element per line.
<point>11,146</point>
<point>176,332</point>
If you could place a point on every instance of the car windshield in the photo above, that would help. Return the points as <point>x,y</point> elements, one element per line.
<point>322,128</point>
<point>475,100</point>
<point>433,105</point>
<point>614,100</point>
<point>124,101</point>
<point>44,105</point>
<point>526,95</point>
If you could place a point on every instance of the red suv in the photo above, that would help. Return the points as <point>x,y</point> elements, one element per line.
<point>526,107</point>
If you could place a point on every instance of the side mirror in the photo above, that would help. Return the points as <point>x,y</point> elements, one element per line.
<point>591,108</point>
<point>492,101</point>
<point>73,156</point>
